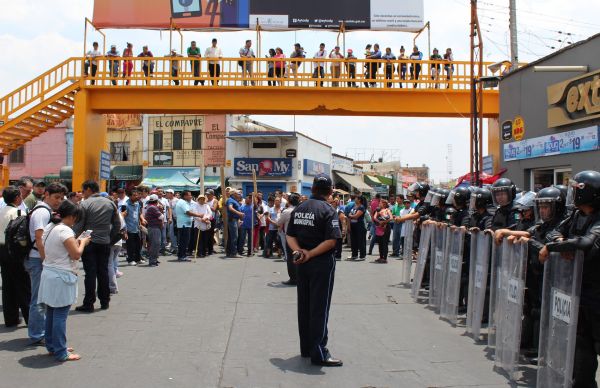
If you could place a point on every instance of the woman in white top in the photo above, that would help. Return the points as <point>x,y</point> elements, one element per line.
<point>202,224</point>
<point>58,284</point>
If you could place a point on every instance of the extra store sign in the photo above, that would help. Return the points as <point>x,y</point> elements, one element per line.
<point>575,100</point>
<point>272,167</point>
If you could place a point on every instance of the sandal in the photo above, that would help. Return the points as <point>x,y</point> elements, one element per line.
<point>71,357</point>
<point>69,350</point>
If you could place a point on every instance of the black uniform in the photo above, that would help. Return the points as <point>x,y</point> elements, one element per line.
<point>582,232</point>
<point>311,223</point>
<point>506,217</point>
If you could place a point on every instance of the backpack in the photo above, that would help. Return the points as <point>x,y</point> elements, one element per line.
<point>17,237</point>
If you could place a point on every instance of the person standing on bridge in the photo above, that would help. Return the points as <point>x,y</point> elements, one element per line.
<point>147,66</point>
<point>194,52</point>
<point>312,234</point>
<point>294,65</point>
<point>336,66</point>
<point>175,66</point>
<point>415,67</point>
<point>436,67</point>
<point>374,66</point>
<point>127,63</point>
<point>279,64</point>
<point>351,68</point>
<point>448,66</point>
<point>113,64</point>
<point>320,66</point>
<point>402,66</point>
<point>214,65</point>
<point>90,61</point>
<point>389,65</point>
<point>246,53</point>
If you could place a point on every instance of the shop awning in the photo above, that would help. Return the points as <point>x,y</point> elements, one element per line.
<point>385,180</point>
<point>353,181</point>
<point>340,191</point>
<point>178,179</point>
<point>372,180</point>
<point>127,173</point>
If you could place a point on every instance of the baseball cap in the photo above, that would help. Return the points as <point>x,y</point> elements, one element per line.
<point>210,192</point>
<point>153,198</point>
<point>104,194</point>
<point>322,181</point>
<point>39,182</point>
<point>113,46</point>
<point>170,191</point>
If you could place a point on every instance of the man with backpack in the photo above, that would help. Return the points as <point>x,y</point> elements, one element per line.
<point>38,218</point>
<point>100,215</point>
<point>16,286</point>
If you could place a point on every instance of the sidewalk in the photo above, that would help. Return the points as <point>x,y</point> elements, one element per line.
<point>230,323</point>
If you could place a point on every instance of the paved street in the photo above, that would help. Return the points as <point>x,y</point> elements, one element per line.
<point>230,323</point>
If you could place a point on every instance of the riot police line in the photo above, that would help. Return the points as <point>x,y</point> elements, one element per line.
<point>525,266</point>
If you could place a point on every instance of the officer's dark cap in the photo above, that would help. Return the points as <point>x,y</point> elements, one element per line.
<point>322,181</point>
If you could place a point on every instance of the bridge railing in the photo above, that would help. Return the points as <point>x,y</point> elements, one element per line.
<point>280,72</point>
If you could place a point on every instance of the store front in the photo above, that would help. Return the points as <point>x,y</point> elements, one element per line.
<point>125,177</point>
<point>550,121</point>
<point>178,179</point>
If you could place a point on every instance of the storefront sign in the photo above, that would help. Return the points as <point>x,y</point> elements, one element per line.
<point>580,140</point>
<point>123,121</point>
<point>342,164</point>
<point>507,130</point>
<point>312,168</point>
<point>518,128</point>
<point>104,165</point>
<point>263,167</point>
<point>290,153</point>
<point>574,100</point>
<point>162,159</point>
<point>214,141</point>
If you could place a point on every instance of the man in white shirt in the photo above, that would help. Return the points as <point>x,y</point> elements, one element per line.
<point>172,224</point>
<point>246,52</point>
<point>213,203</point>
<point>16,287</point>
<point>214,66</point>
<point>38,220</point>
<point>25,186</point>
<point>320,66</point>
<point>282,222</point>
<point>91,56</point>
<point>123,198</point>
<point>165,205</point>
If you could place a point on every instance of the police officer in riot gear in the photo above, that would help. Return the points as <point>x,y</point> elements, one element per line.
<point>524,216</point>
<point>312,234</point>
<point>479,206</point>
<point>504,192</point>
<point>581,231</point>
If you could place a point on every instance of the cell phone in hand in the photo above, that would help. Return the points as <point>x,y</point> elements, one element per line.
<point>296,256</point>
<point>85,234</point>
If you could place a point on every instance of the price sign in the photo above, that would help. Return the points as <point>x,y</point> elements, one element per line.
<point>518,128</point>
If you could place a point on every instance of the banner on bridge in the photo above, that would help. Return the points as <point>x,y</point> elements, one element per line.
<point>386,15</point>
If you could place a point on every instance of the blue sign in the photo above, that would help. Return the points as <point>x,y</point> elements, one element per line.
<point>104,165</point>
<point>312,168</point>
<point>269,167</point>
<point>488,164</point>
<point>579,140</point>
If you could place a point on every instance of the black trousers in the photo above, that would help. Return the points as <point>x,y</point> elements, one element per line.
<point>94,70</point>
<point>383,243</point>
<point>95,265</point>
<point>389,74</point>
<point>134,246</point>
<point>315,285</point>
<point>196,72</point>
<point>183,241</point>
<point>587,348</point>
<point>174,74</point>
<point>414,73</point>
<point>358,240</point>
<point>338,248</point>
<point>319,72</point>
<point>16,289</point>
<point>352,75</point>
<point>214,69</point>
<point>291,267</point>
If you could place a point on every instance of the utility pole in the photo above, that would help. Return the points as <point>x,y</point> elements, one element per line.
<point>514,48</point>
<point>476,119</point>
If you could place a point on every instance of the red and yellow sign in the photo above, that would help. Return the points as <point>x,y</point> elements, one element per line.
<point>518,128</point>
<point>123,121</point>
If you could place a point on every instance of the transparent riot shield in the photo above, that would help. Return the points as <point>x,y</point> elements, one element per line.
<point>453,272</point>
<point>478,278</point>
<point>408,229</point>
<point>498,252</point>
<point>424,246</point>
<point>558,321</point>
<point>437,267</point>
<point>510,308</point>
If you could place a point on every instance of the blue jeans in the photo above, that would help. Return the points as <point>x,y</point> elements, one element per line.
<point>232,237</point>
<point>244,236</point>
<point>56,331</point>
<point>172,235</point>
<point>184,240</point>
<point>163,237</point>
<point>37,312</point>
<point>396,240</point>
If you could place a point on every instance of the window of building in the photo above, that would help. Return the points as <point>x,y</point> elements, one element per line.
<point>178,140</point>
<point>548,177</point>
<point>119,151</point>
<point>264,145</point>
<point>196,139</point>
<point>17,156</point>
<point>158,140</point>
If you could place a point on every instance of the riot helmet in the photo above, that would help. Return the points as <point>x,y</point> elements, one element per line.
<point>503,192</point>
<point>584,189</point>
<point>549,204</point>
<point>449,215</point>
<point>525,201</point>
<point>563,189</point>
<point>420,188</point>
<point>481,198</point>
<point>430,195</point>
<point>459,197</point>
<point>440,197</point>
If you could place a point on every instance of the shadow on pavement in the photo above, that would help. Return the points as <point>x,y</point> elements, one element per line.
<point>16,345</point>
<point>278,285</point>
<point>39,361</point>
<point>296,364</point>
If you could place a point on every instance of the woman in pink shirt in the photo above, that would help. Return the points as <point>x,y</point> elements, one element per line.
<point>127,64</point>
<point>279,64</point>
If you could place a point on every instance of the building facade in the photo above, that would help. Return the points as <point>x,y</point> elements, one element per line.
<point>549,121</point>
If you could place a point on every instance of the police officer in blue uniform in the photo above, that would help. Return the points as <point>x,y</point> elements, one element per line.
<point>312,235</point>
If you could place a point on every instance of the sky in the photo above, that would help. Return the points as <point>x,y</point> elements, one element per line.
<point>38,34</point>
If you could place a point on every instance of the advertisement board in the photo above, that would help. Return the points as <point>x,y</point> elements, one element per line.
<point>264,167</point>
<point>579,140</point>
<point>389,15</point>
<point>312,168</point>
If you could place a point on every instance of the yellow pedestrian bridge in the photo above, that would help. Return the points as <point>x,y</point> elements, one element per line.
<point>88,88</point>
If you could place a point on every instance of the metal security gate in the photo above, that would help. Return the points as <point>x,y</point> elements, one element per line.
<point>424,246</point>
<point>453,273</point>
<point>407,251</point>
<point>437,268</point>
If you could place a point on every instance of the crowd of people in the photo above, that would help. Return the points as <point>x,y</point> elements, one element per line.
<point>405,67</point>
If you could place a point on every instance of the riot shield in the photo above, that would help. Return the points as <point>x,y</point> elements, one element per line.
<point>407,251</point>
<point>437,267</point>
<point>498,253</point>
<point>453,272</point>
<point>424,245</point>
<point>478,278</point>
<point>510,307</point>
<point>558,326</point>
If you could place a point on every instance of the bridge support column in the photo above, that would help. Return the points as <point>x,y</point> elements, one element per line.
<point>493,136</point>
<point>4,180</point>
<point>89,138</point>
